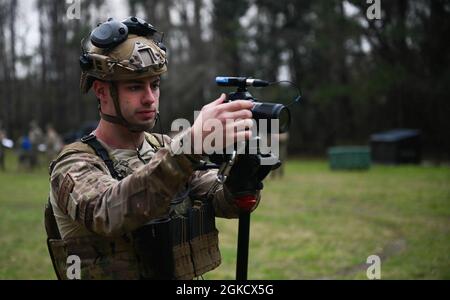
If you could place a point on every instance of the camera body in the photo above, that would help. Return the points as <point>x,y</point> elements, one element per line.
<point>261,110</point>
<point>265,111</point>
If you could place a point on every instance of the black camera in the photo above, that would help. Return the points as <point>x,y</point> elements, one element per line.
<point>260,110</point>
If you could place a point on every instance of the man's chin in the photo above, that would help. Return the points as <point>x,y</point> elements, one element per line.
<point>148,124</point>
<point>141,126</point>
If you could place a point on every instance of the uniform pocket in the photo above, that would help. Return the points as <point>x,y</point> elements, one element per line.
<point>205,252</point>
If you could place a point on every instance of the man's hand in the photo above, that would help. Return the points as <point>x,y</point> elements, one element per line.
<point>234,117</point>
<point>247,174</point>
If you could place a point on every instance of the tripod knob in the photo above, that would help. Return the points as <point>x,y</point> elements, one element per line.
<point>246,202</point>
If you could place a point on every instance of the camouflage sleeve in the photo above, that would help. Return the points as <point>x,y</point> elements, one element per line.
<point>205,186</point>
<point>84,190</point>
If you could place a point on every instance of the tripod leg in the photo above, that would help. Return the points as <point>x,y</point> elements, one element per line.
<point>242,247</point>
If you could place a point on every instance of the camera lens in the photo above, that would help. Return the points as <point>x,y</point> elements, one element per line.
<point>272,111</point>
<point>285,119</point>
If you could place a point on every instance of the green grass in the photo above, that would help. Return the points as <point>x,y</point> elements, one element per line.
<point>23,249</point>
<point>312,224</point>
<point>316,223</point>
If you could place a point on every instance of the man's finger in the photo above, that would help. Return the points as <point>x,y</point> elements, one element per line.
<point>239,125</point>
<point>219,100</point>
<point>236,105</point>
<point>240,114</point>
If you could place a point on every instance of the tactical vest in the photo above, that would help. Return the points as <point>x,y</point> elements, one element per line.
<point>182,246</point>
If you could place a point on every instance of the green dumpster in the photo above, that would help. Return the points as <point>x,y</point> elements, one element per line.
<point>349,157</point>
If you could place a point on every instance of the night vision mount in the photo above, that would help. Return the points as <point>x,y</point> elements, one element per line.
<point>111,33</point>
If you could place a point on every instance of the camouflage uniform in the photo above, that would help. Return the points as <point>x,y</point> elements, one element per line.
<point>129,215</point>
<point>89,205</point>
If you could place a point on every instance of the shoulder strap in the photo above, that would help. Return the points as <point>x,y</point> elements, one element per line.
<point>92,141</point>
<point>90,144</point>
<point>153,141</point>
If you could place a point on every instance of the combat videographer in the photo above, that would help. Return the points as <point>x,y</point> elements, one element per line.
<point>125,201</point>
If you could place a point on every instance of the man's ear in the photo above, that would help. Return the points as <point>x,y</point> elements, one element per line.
<point>101,90</point>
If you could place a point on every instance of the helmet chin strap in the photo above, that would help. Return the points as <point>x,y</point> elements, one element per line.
<point>119,119</point>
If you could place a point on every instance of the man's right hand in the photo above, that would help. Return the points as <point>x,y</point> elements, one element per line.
<point>234,117</point>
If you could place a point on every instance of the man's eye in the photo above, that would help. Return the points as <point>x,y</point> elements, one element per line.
<point>155,86</point>
<point>134,87</point>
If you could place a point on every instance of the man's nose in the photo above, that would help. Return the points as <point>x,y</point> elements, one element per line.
<point>149,95</point>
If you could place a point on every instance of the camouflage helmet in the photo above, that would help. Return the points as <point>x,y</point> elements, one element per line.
<point>121,51</point>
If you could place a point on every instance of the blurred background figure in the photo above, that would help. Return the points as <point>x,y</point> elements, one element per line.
<point>2,150</point>
<point>25,156</point>
<point>36,137</point>
<point>53,142</point>
<point>5,143</point>
<point>283,139</point>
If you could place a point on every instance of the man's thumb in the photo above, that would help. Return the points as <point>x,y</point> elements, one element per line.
<point>220,100</point>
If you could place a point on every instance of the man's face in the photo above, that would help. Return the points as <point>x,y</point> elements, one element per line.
<point>139,99</point>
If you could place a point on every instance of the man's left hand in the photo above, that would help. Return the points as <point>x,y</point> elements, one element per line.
<point>247,174</point>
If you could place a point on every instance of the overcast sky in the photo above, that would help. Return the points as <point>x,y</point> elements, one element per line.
<point>28,26</point>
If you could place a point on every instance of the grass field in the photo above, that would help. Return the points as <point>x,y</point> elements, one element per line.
<point>312,224</point>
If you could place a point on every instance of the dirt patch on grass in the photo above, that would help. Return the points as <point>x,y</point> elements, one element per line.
<point>392,248</point>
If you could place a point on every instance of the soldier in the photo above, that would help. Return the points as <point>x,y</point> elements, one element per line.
<point>25,156</point>
<point>2,151</point>
<point>36,137</point>
<point>125,202</point>
<point>53,142</point>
